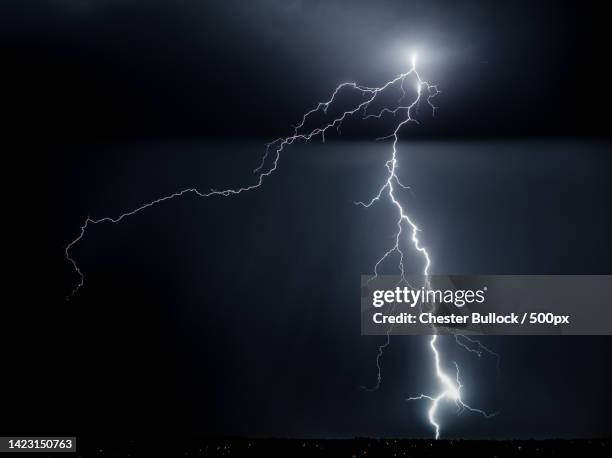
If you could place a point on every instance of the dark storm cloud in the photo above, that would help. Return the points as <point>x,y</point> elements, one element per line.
<point>250,68</point>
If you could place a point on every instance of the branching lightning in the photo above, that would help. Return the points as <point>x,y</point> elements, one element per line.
<point>451,390</point>
<point>407,230</point>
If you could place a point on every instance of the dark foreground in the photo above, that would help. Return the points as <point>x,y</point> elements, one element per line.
<point>288,448</point>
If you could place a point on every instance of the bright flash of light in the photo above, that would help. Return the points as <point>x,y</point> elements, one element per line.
<point>450,389</point>
<point>407,234</point>
<point>413,59</point>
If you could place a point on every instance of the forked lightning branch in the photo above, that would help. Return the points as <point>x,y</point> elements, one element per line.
<point>411,91</point>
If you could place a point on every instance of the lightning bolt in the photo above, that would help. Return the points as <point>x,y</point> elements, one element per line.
<point>402,114</point>
<point>450,388</point>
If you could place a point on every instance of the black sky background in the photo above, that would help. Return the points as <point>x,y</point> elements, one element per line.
<point>196,68</point>
<point>126,101</point>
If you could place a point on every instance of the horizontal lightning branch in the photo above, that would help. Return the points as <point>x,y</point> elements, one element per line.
<point>274,148</point>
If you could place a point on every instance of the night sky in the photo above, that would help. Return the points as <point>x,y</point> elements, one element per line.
<point>241,316</point>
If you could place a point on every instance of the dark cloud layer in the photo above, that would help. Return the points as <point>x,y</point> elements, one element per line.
<point>134,69</point>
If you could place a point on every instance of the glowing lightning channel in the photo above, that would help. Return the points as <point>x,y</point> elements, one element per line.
<point>402,113</point>
<point>267,167</point>
<point>451,389</point>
